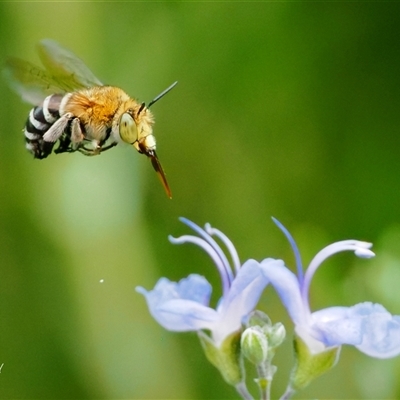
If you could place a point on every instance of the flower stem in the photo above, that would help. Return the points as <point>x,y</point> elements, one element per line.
<point>241,388</point>
<point>288,393</point>
<point>265,375</point>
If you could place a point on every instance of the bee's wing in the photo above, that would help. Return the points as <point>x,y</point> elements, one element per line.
<point>31,82</point>
<point>64,72</point>
<point>65,67</point>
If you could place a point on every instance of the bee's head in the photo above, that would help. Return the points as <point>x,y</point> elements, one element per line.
<point>135,128</point>
<point>139,133</point>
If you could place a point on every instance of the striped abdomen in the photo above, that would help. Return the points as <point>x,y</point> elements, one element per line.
<point>40,119</point>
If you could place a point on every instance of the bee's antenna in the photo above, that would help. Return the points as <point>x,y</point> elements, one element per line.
<point>143,105</point>
<point>160,95</point>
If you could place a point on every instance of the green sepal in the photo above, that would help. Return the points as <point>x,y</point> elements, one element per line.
<point>226,358</point>
<point>310,365</point>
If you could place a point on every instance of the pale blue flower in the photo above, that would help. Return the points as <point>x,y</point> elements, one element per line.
<point>367,326</point>
<point>184,305</point>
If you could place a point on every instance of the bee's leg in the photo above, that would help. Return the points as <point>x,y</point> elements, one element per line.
<point>94,152</point>
<point>64,144</point>
<point>109,146</point>
<point>88,152</point>
<point>56,130</point>
<point>97,146</point>
<point>77,135</point>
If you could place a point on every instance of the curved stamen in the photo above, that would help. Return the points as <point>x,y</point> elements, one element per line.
<point>299,265</point>
<point>211,252</point>
<point>229,245</point>
<point>213,244</point>
<point>361,249</point>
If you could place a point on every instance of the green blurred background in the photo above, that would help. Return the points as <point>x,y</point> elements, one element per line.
<point>282,109</point>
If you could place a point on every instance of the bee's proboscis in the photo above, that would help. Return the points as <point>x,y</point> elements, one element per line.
<point>155,162</point>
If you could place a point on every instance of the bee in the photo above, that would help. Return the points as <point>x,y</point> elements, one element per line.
<point>73,109</point>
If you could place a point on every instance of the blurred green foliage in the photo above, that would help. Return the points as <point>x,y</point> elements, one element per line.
<point>284,109</point>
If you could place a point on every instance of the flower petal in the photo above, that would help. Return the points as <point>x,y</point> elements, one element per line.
<point>381,334</point>
<point>242,298</point>
<point>181,306</point>
<point>336,326</point>
<point>287,286</point>
<point>367,326</point>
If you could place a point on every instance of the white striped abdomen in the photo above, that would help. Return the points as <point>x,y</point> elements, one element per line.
<point>40,119</point>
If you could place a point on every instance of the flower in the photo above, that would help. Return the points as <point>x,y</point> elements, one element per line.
<point>367,326</point>
<point>184,305</point>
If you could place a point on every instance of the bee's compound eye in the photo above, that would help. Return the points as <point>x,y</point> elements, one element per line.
<point>128,129</point>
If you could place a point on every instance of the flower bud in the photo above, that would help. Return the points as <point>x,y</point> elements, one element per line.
<point>276,335</point>
<point>258,318</point>
<point>254,345</point>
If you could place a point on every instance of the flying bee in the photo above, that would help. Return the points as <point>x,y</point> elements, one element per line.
<point>74,109</point>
